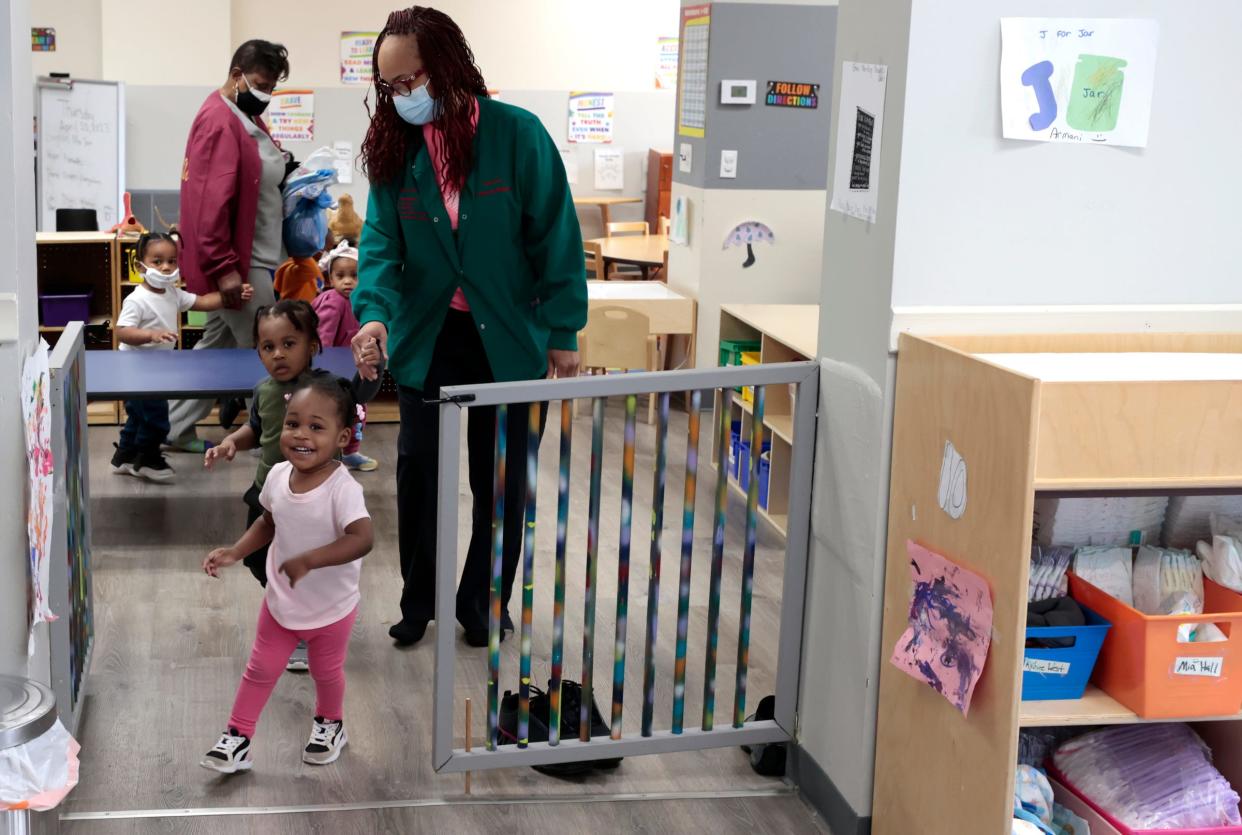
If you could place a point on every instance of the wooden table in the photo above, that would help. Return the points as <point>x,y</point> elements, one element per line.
<point>605,205</point>
<point>645,251</point>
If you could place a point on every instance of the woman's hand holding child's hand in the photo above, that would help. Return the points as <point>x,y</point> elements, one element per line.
<point>370,347</point>
<point>247,292</point>
<point>219,558</point>
<point>226,449</point>
<point>295,569</point>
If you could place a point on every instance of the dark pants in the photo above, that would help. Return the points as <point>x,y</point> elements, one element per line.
<point>146,425</point>
<point>459,359</point>
<point>256,562</point>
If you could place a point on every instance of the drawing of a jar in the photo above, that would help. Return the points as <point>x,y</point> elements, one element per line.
<point>1095,98</point>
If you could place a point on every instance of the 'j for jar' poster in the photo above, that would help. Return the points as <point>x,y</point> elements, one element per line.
<point>1081,80</point>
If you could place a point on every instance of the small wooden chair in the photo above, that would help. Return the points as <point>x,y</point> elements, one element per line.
<point>627,227</point>
<point>593,254</point>
<point>666,226</point>
<point>617,338</point>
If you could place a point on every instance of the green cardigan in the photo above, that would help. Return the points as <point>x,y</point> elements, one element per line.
<point>517,253</point>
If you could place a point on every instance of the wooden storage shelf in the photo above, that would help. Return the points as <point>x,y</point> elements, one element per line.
<point>94,322</point>
<point>1029,414</point>
<point>785,333</point>
<point>1094,708</point>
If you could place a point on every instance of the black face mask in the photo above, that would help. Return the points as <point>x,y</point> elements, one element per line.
<point>250,104</point>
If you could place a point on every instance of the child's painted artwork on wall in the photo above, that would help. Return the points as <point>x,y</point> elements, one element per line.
<point>1080,80</point>
<point>946,643</point>
<point>36,413</point>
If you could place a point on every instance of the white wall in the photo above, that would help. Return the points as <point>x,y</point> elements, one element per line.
<point>177,42</point>
<point>526,45</point>
<point>17,215</point>
<point>783,273</point>
<point>989,221</point>
<point>77,38</point>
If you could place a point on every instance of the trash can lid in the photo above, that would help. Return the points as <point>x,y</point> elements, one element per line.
<point>27,709</point>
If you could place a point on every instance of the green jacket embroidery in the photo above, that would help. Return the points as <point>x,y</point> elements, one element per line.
<point>516,254</point>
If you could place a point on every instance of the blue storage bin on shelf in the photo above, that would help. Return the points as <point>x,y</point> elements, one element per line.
<point>1062,672</point>
<point>743,463</point>
<point>765,466</point>
<point>59,309</point>
<point>735,441</point>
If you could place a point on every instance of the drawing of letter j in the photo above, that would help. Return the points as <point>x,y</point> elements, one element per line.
<point>1037,77</point>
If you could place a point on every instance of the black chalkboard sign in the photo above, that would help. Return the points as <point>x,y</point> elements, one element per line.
<point>860,169</point>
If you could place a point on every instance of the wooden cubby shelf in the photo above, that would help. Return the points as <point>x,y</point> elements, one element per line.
<point>785,333</point>
<point>1054,414</point>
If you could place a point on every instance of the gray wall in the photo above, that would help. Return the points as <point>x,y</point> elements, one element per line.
<point>778,147</point>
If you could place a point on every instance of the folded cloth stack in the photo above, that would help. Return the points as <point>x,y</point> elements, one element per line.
<point>1109,520</point>
<point>1150,777</point>
<point>1057,611</point>
<point>1189,518</point>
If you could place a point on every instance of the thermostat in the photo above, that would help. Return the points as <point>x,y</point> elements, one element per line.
<point>737,92</point>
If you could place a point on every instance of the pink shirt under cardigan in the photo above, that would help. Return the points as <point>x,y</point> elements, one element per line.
<point>434,138</point>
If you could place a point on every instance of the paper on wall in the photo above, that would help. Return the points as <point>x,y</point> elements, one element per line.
<point>609,169</point>
<point>357,50</point>
<point>37,418</point>
<point>692,95</point>
<point>343,161</point>
<point>950,631</point>
<point>590,117</point>
<point>666,63</point>
<point>571,166</point>
<point>1078,80</point>
<point>860,125</point>
<point>291,116</point>
<point>679,226</point>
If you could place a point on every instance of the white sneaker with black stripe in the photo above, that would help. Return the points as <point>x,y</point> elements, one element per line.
<point>326,741</point>
<point>299,661</point>
<point>230,755</point>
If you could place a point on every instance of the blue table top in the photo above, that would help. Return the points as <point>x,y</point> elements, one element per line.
<point>223,372</point>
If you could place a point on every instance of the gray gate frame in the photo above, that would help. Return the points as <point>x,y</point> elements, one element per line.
<point>805,375</point>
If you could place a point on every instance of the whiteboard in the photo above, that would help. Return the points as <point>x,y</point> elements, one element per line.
<point>81,163</point>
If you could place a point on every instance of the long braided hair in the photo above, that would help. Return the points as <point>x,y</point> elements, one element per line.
<point>451,69</point>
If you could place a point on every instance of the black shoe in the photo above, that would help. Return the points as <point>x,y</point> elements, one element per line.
<point>152,466</point>
<point>481,636</point>
<point>506,624</point>
<point>229,410</point>
<point>123,460</point>
<point>407,633</point>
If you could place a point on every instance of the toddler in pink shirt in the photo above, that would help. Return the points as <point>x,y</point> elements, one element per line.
<point>318,527</point>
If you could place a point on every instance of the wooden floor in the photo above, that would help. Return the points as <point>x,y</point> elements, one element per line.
<point>171,645</point>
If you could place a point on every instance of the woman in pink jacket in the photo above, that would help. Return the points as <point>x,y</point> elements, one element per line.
<point>231,211</point>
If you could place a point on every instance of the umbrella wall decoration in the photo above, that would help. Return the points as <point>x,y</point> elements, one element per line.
<point>748,234</point>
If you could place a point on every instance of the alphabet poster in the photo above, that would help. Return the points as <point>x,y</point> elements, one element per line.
<point>1082,80</point>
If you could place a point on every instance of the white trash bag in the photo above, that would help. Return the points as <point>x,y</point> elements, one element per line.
<point>39,774</point>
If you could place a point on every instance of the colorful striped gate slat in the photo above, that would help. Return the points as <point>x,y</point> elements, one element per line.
<point>528,571</point>
<point>493,619</point>
<point>558,594</point>
<point>653,582</point>
<point>723,426</point>
<point>748,561</point>
<point>592,572</point>
<point>623,565</point>
<point>687,549</point>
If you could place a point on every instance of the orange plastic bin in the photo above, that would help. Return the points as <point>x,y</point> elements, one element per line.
<point>1144,666</point>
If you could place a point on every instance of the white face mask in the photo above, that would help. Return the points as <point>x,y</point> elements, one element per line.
<point>159,280</point>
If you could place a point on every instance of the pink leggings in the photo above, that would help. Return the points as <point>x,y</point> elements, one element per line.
<point>273,644</point>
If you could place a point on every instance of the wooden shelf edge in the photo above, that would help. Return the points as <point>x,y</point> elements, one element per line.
<point>1094,708</point>
<point>781,425</point>
<point>1089,485</point>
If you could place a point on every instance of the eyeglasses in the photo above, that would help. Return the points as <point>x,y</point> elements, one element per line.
<point>402,85</point>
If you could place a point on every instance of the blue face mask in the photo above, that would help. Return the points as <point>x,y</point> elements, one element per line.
<point>417,108</point>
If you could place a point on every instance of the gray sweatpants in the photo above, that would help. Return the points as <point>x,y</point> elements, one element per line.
<point>224,329</point>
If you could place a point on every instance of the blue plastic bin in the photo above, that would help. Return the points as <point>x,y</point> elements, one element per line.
<point>1062,672</point>
<point>735,440</point>
<point>765,466</point>
<point>743,463</point>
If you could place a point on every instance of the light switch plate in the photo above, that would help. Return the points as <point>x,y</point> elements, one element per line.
<point>728,165</point>
<point>684,154</point>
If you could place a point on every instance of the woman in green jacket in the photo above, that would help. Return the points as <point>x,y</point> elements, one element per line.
<point>470,271</point>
